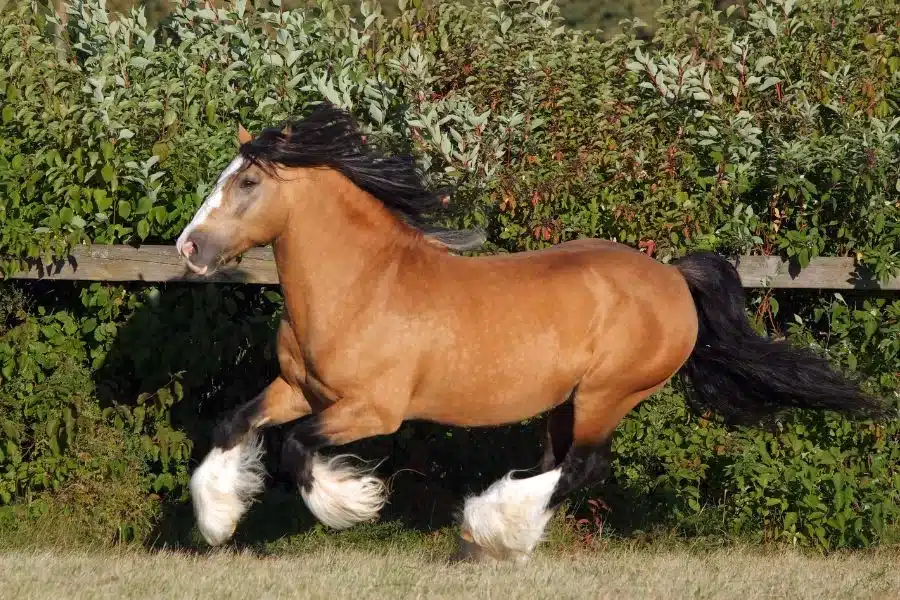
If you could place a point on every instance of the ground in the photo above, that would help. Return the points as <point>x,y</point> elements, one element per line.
<point>421,570</point>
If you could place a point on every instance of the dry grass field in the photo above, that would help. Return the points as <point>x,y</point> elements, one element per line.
<point>395,572</point>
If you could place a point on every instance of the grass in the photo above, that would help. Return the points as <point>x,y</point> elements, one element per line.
<point>418,568</point>
<point>280,552</point>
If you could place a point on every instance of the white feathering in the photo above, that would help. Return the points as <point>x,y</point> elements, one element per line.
<point>508,520</point>
<point>223,486</point>
<point>342,495</point>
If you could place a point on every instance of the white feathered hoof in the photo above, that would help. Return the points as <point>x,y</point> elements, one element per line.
<point>223,486</point>
<point>342,495</point>
<point>508,520</point>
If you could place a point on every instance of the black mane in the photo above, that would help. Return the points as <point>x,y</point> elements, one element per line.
<point>329,137</point>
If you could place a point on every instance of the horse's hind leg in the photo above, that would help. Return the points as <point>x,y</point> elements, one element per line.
<point>557,441</point>
<point>558,435</point>
<point>508,520</point>
<point>230,476</point>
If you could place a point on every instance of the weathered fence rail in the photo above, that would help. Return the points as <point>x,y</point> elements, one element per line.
<point>257,266</point>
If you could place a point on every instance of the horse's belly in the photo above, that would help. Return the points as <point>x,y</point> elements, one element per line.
<point>485,402</point>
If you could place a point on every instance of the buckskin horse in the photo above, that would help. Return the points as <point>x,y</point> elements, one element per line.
<point>386,321</point>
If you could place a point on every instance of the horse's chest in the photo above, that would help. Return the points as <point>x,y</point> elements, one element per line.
<point>335,371</point>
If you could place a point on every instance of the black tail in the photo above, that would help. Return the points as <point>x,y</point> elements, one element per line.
<point>744,377</point>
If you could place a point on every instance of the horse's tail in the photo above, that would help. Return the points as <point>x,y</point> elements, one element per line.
<point>744,377</point>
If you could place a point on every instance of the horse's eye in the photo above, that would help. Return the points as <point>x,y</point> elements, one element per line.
<point>248,182</point>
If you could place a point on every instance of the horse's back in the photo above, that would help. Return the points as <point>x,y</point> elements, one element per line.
<point>572,246</point>
<point>521,330</point>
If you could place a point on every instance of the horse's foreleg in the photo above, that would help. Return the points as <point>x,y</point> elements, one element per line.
<point>223,486</point>
<point>338,493</point>
<point>508,520</point>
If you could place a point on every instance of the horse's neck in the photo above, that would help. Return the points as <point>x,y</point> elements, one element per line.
<point>330,267</point>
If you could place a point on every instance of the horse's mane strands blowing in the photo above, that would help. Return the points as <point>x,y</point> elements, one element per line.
<point>329,137</point>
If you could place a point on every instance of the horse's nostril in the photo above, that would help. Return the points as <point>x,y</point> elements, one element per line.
<point>189,249</point>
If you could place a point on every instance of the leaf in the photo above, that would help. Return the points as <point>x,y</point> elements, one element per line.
<point>52,429</point>
<point>330,93</point>
<point>125,134</point>
<point>376,113</point>
<point>292,57</point>
<point>107,172</point>
<point>101,199</point>
<point>763,62</point>
<point>139,62</point>
<point>160,215</point>
<point>124,209</point>
<point>769,82</point>
<point>635,66</point>
<point>144,205</point>
<point>161,150</point>
<point>9,113</point>
<point>143,229</point>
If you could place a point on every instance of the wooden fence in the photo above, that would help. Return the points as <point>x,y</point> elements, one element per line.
<point>257,266</point>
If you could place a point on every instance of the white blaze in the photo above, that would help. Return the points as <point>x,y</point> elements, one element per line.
<point>213,200</point>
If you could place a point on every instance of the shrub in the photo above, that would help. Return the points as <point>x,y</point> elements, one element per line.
<point>766,129</point>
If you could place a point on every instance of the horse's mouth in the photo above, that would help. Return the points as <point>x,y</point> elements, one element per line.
<point>198,270</point>
<point>221,261</point>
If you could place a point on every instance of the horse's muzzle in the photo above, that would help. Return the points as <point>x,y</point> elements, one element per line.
<point>200,251</point>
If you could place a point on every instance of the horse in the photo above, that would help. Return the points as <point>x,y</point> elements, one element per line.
<point>387,319</point>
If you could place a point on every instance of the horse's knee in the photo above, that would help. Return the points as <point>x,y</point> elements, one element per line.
<point>277,403</point>
<point>234,427</point>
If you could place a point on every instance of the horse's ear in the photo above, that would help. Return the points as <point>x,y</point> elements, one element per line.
<point>243,135</point>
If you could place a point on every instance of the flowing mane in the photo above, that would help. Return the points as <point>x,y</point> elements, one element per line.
<point>329,137</point>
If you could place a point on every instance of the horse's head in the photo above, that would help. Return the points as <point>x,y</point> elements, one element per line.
<point>243,210</point>
<point>329,165</point>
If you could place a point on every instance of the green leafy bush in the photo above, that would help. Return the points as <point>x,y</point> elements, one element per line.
<point>765,129</point>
